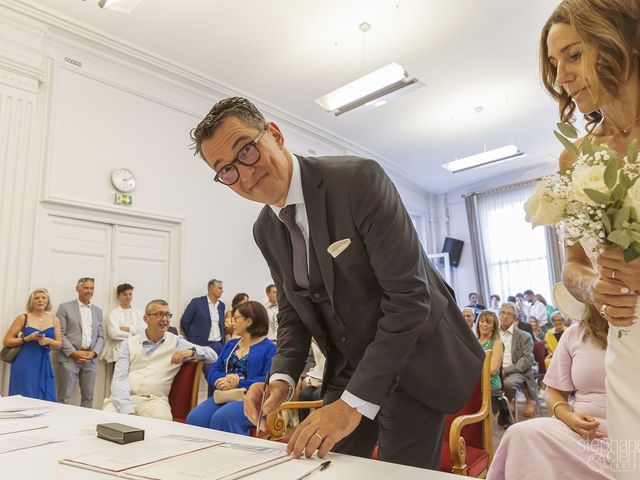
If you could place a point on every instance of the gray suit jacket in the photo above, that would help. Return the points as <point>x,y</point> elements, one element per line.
<point>71,329</point>
<point>398,321</point>
<point>521,352</point>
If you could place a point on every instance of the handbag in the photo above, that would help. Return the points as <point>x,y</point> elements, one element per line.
<point>9,354</point>
<point>231,395</point>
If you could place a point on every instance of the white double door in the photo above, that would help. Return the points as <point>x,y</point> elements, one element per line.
<point>72,248</point>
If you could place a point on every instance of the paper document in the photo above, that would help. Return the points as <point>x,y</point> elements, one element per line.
<point>168,458</point>
<point>23,412</point>
<point>19,441</point>
<point>14,426</point>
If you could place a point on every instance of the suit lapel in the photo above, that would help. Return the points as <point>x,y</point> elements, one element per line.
<point>315,199</point>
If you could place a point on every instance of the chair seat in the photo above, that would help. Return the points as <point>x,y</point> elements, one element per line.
<point>477,460</point>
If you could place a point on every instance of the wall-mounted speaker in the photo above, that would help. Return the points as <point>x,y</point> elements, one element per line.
<point>453,247</point>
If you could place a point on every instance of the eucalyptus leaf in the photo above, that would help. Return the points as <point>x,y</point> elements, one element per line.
<point>635,236</point>
<point>634,227</point>
<point>632,151</point>
<point>623,179</point>
<point>606,223</point>
<point>587,147</point>
<point>621,216</point>
<point>631,253</point>
<point>566,143</point>
<point>596,196</point>
<point>611,174</point>
<point>619,192</point>
<point>620,238</point>
<point>567,130</point>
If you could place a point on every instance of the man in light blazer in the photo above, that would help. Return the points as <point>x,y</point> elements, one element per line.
<point>350,272</point>
<point>203,322</point>
<point>82,342</point>
<point>517,361</point>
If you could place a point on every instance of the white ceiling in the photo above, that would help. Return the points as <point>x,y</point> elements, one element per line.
<point>469,53</point>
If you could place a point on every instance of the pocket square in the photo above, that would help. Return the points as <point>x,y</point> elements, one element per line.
<point>336,248</point>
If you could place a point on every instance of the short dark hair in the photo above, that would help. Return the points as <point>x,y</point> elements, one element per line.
<point>212,282</point>
<point>123,288</point>
<point>528,292</point>
<point>496,296</point>
<point>473,293</point>
<point>238,299</point>
<point>519,295</point>
<point>258,314</point>
<point>269,287</point>
<point>238,107</point>
<point>511,299</point>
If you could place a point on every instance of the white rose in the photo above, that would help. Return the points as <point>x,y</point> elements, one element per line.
<point>633,197</point>
<point>542,209</point>
<point>585,176</point>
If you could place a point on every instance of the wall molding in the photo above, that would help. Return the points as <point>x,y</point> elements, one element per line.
<point>197,82</point>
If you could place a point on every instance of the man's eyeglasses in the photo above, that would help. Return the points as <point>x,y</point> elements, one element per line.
<point>160,315</point>
<point>247,156</point>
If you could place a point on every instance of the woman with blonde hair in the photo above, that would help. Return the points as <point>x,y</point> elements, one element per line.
<point>488,333</point>
<point>36,332</point>
<point>590,61</point>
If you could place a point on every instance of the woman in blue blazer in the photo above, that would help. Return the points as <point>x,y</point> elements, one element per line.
<point>241,363</point>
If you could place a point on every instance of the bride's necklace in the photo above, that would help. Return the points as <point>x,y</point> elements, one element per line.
<point>624,131</point>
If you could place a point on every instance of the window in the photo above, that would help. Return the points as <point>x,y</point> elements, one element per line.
<point>515,254</point>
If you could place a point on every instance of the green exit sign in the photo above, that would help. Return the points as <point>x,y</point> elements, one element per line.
<point>123,199</point>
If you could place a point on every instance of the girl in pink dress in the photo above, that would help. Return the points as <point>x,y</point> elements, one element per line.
<point>573,443</point>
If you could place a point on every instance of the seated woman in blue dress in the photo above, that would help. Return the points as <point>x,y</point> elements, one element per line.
<point>31,372</point>
<point>242,362</point>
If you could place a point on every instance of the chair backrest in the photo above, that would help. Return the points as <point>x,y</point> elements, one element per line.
<point>472,433</point>
<point>539,354</point>
<point>183,396</point>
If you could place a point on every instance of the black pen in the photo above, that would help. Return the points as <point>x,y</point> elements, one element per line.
<point>264,397</point>
<point>317,468</point>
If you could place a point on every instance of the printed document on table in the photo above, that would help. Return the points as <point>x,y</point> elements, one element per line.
<point>124,457</point>
<point>227,461</point>
<point>19,441</point>
<point>23,412</point>
<point>14,426</point>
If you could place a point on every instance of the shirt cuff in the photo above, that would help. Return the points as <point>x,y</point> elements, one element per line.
<point>286,378</point>
<point>367,409</point>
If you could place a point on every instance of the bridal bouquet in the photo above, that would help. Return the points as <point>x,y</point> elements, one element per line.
<point>597,199</point>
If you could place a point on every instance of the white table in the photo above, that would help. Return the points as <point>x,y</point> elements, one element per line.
<point>79,426</point>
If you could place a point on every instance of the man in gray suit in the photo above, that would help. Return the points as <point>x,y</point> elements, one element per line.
<point>82,341</point>
<point>350,272</point>
<point>517,361</point>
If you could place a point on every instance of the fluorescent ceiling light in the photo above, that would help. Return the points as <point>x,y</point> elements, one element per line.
<point>485,158</point>
<point>124,6</point>
<point>369,90</point>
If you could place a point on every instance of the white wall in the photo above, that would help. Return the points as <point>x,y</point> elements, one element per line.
<point>94,108</point>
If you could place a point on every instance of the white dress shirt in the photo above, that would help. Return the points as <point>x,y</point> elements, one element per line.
<point>506,336</point>
<point>214,334</point>
<point>272,311</point>
<point>295,196</point>
<point>86,320</point>
<point>539,310</point>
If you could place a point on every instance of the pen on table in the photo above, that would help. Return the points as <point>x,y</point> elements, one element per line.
<point>264,397</point>
<point>317,468</point>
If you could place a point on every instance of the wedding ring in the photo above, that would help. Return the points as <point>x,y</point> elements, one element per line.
<point>603,310</point>
<point>319,436</point>
<point>613,275</point>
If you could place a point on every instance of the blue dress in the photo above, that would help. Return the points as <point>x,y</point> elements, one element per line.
<point>31,372</point>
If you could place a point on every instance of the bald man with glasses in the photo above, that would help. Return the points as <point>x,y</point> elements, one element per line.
<point>148,363</point>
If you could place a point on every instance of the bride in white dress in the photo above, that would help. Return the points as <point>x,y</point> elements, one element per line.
<point>589,59</point>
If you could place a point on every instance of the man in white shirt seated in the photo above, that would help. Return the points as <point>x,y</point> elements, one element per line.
<point>516,362</point>
<point>148,363</point>
<point>272,310</point>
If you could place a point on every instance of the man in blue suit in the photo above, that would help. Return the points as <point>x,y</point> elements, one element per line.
<point>203,321</point>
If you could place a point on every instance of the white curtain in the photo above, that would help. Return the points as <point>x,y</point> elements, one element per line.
<point>515,254</point>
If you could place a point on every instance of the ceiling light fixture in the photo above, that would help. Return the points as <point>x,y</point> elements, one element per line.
<point>369,90</point>
<point>124,6</point>
<point>508,152</point>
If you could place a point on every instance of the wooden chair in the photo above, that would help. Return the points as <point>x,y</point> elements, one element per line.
<point>468,442</point>
<point>183,396</point>
<point>276,424</point>
<point>539,355</point>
